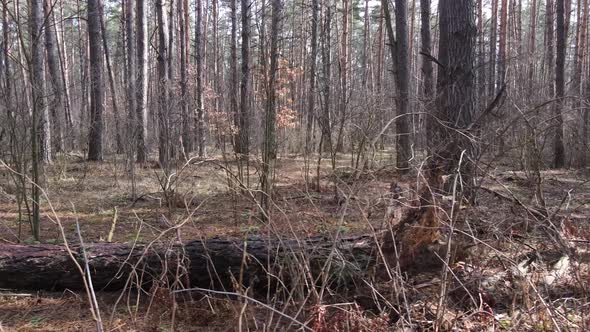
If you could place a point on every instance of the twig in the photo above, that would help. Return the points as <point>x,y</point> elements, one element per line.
<point>96,309</point>
<point>248,298</point>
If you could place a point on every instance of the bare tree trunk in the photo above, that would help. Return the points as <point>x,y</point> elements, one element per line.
<point>270,144</point>
<point>549,47</point>
<point>343,66</point>
<point>142,82</point>
<point>325,121</point>
<point>456,97</point>
<point>96,84</point>
<point>39,108</point>
<point>244,128</point>
<point>402,75</point>
<point>559,149</point>
<point>105,45</point>
<point>481,61</point>
<point>163,107</point>
<point>233,74</point>
<point>186,127</point>
<point>312,82</point>
<point>63,62</point>
<point>199,55</point>
<point>131,76</point>
<point>532,46</point>
<point>427,70</point>
<point>54,73</point>
<point>501,77</point>
<point>493,41</point>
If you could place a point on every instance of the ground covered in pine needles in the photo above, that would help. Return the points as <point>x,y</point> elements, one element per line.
<point>511,274</point>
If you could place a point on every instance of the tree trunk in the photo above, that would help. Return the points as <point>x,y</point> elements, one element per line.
<point>325,121</point>
<point>456,95</point>
<point>105,45</point>
<point>199,55</point>
<point>493,40</point>
<point>212,263</point>
<point>163,107</point>
<point>142,82</point>
<point>312,82</point>
<point>270,141</point>
<point>343,66</point>
<point>427,70</point>
<point>187,143</point>
<point>402,76</point>
<point>233,74</point>
<point>39,109</point>
<point>532,47</point>
<point>481,60</point>
<point>559,149</point>
<point>502,44</point>
<point>244,128</point>
<point>131,76</point>
<point>53,65</point>
<point>96,83</point>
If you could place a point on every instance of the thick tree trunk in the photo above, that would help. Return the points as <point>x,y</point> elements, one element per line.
<point>212,263</point>
<point>233,75</point>
<point>96,82</point>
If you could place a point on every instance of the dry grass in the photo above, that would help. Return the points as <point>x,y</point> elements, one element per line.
<point>484,292</point>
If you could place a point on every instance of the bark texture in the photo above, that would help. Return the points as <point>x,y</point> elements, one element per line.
<point>212,263</point>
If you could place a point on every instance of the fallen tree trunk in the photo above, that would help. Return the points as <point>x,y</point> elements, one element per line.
<point>212,263</point>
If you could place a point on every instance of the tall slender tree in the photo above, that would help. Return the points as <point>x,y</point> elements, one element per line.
<point>142,81</point>
<point>270,141</point>
<point>56,103</point>
<point>559,149</point>
<point>199,55</point>
<point>39,108</point>
<point>163,107</point>
<point>244,125</point>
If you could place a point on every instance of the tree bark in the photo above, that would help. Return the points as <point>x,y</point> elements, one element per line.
<point>54,73</point>
<point>39,109</point>
<point>95,149</point>
<point>131,76</point>
<point>244,128</point>
<point>427,70</point>
<point>402,76</point>
<point>343,66</point>
<point>559,149</point>
<point>184,95</point>
<point>212,263</point>
<point>199,55</point>
<point>163,107</point>
<point>142,82</point>
<point>456,95</point>
<point>105,45</point>
<point>270,141</point>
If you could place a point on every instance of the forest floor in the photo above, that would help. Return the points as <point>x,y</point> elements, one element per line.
<point>512,290</point>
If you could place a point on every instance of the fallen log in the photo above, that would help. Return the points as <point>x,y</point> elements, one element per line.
<point>213,263</point>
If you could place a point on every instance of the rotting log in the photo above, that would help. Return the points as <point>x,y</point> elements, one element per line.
<point>211,263</point>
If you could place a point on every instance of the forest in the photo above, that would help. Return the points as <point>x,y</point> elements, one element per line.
<point>294,165</point>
